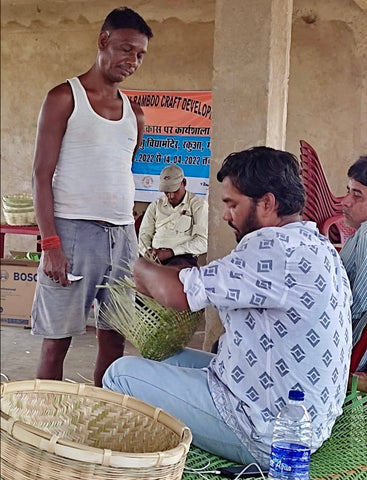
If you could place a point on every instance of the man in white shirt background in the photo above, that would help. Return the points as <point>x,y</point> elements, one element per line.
<point>174,229</point>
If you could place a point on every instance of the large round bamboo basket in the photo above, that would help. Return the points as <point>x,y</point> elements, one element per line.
<point>54,430</point>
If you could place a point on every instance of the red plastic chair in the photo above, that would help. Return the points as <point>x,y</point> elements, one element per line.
<point>358,351</point>
<point>321,203</point>
<point>339,228</point>
<point>138,220</point>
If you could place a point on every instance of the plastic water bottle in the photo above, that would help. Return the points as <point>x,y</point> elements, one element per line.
<point>291,445</point>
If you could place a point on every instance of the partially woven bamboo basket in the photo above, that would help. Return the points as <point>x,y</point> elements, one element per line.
<point>156,331</point>
<point>53,430</point>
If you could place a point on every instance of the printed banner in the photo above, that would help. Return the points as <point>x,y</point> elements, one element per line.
<point>177,131</point>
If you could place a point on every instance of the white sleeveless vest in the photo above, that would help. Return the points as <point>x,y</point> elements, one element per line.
<point>93,178</point>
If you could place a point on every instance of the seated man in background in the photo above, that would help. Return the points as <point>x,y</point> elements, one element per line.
<point>354,252</point>
<point>174,229</point>
<point>283,297</point>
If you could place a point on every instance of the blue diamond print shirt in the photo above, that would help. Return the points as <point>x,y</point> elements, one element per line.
<point>284,298</point>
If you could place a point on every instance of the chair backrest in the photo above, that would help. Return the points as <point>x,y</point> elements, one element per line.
<point>359,349</point>
<point>138,220</point>
<point>321,204</point>
<point>335,226</point>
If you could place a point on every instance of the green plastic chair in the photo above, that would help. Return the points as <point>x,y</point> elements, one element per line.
<point>342,457</point>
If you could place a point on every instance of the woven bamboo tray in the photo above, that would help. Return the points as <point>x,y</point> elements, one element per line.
<point>18,200</point>
<point>53,430</point>
<point>18,209</point>
<point>20,218</point>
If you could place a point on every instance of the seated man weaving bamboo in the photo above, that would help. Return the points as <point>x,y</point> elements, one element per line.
<point>174,228</point>
<point>283,297</point>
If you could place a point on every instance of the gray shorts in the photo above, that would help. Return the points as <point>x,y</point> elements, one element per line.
<point>95,251</point>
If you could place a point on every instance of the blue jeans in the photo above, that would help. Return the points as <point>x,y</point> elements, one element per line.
<point>179,386</point>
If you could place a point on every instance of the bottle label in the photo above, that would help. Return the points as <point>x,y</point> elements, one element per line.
<point>289,461</point>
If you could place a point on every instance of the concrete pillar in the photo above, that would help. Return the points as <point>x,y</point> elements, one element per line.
<point>250,86</point>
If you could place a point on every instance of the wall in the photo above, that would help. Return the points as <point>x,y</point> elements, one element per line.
<point>328,84</point>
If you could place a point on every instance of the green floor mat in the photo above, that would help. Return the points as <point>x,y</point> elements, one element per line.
<point>342,457</point>
<point>202,462</point>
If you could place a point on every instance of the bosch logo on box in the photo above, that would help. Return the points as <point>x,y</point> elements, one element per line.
<point>24,277</point>
<point>18,284</point>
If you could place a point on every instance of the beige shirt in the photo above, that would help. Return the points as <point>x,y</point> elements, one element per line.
<point>184,228</point>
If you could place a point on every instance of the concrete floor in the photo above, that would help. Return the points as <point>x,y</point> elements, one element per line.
<point>20,352</point>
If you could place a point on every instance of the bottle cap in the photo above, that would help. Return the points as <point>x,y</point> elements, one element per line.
<point>296,395</point>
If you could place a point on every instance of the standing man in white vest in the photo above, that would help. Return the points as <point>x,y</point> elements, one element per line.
<point>83,187</point>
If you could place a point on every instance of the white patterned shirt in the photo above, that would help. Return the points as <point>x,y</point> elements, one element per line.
<point>283,297</point>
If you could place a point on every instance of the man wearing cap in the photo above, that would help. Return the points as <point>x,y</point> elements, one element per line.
<point>174,229</point>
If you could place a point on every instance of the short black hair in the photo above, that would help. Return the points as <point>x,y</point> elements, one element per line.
<point>124,17</point>
<point>358,171</point>
<point>259,170</point>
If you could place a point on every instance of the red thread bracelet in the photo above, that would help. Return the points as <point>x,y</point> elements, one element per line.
<point>49,243</point>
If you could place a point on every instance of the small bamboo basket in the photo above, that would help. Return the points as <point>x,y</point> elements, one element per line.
<point>53,430</point>
<point>156,331</point>
<point>18,209</point>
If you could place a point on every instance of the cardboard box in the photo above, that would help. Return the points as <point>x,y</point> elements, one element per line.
<point>18,283</point>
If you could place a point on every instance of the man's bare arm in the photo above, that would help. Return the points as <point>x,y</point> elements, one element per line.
<point>141,124</point>
<point>52,122</point>
<point>161,283</point>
